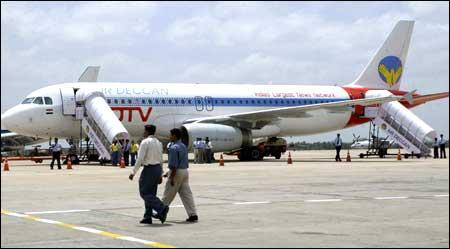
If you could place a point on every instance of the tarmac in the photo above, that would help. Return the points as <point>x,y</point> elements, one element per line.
<point>315,202</point>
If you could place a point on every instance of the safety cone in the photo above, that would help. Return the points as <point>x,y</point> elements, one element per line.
<point>122,162</point>
<point>221,162</point>
<point>6,168</point>
<point>399,156</point>
<point>69,163</point>
<point>289,158</point>
<point>349,159</point>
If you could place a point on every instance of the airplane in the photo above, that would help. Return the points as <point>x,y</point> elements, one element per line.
<point>231,115</point>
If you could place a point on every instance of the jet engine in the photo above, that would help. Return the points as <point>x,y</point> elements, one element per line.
<point>222,137</point>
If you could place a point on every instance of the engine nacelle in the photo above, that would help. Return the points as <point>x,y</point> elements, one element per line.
<point>222,137</point>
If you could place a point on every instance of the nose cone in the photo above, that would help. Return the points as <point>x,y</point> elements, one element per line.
<point>13,118</point>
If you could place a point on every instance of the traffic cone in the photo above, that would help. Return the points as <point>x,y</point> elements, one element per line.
<point>122,162</point>
<point>221,162</point>
<point>399,156</point>
<point>69,163</point>
<point>349,159</point>
<point>289,161</point>
<point>6,168</point>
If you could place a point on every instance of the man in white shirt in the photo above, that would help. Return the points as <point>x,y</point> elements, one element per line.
<point>338,146</point>
<point>56,154</point>
<point>150,155</point>
<point>442,142</point>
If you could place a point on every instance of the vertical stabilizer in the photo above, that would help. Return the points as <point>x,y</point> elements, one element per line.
<point>386,67</point>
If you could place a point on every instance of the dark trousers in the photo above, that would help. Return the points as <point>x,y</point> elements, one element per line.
<point>338,156</point>
<point>436,152</point>
<point>133,158</point>
<point>208,153</point>
<point>126,155</point>
<point>148,187</point>
<point>442,146</point>
<point>57,156</point>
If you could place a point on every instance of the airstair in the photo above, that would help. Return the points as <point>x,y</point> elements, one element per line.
<point>405,128</point>
<point>98,120</point>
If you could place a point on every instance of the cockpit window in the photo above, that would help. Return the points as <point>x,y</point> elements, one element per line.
<point>27,100</point>
<point>48,101</point>
<point>38,101</point>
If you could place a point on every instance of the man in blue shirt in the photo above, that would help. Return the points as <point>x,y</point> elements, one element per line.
<point>338,146</point>
<point>178,181</point>
<point>442,142</point>
<point>56,154</point>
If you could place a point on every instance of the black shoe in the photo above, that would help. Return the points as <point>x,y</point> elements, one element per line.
<point>51,168</point>
<point>163,216</point>
<point>193,218</point>
<point>146,221</point>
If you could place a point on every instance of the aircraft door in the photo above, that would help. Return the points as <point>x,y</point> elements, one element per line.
<point>209,103</point>
<point>198,103</point>
<point>68,100</point>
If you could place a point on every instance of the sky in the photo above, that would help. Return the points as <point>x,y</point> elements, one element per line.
<point>304,43</point>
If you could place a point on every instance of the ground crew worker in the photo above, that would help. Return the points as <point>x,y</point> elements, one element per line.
<point>436,148</point>
<point>133,152</point>
<point>178,181</point>
<point>442,142</point>
<point>338,146</point>
<point>126,152</point>
<point>151,157</point>
<point>72,153</point>
<point>56,154</point>
<point>115,149</point>
<point>208,150</point>
<point>196,146</point>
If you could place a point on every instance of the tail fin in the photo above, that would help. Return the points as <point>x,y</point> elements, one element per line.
<point>385,69</point>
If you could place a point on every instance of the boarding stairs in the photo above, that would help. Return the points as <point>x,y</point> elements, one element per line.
<point>98,121</point>
<point>405,128</point>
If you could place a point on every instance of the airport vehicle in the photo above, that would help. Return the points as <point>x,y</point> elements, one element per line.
<point>233,116</point>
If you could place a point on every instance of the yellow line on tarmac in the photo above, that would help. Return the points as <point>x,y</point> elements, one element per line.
<point>89,230</point>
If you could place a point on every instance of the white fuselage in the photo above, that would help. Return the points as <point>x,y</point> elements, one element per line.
<point>169,105</point>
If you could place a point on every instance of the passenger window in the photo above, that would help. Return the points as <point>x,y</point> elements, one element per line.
<point>182,101</point>
<point>129,101</point>
<point>38,101</point>
<point>48,101</point>
<point>108,100</point>
<point>149,101</point>
<point>116,101</point>
<point>122,101</point>
<point>143,101</point>
<point>27,100</point>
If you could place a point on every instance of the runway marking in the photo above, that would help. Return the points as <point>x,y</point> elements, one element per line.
<point>441,196</point>
<point>60,212</point>
<point>324,200</point>
<point>251,202</point>
<point>391,197</point>
<point>89,230</point>
<point>176,206</point>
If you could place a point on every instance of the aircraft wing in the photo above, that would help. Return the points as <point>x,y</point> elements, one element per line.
<point>258,119</point>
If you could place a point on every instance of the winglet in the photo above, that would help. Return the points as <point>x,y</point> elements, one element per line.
<point>90,74</point>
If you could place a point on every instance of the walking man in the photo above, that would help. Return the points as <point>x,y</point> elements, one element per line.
<point>178,181</point>
<point>150,156</point>
<point>338,146</point>
<point>56,154</point>
<point>442,142</point>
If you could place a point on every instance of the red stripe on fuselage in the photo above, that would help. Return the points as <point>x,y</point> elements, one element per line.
<point>359,93</point>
